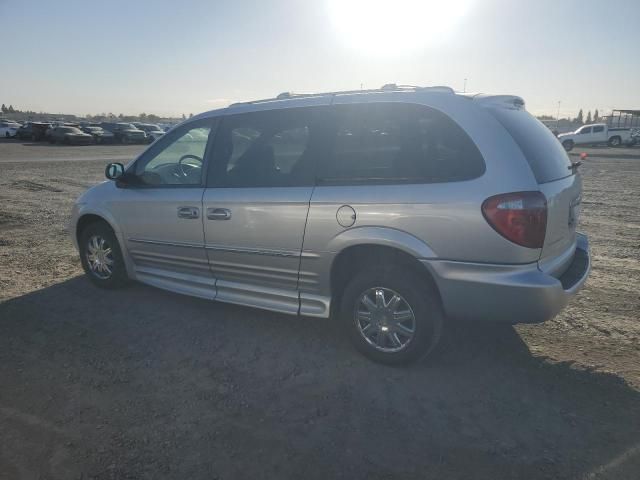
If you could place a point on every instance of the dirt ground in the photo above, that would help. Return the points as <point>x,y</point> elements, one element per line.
<point>144,384</point>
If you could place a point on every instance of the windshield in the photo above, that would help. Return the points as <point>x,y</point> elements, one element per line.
<point>127,126</point>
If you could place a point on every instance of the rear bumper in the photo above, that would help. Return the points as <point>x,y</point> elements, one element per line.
<point>508,293</point>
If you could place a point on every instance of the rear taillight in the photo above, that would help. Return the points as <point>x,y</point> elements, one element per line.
<point>520,217</point>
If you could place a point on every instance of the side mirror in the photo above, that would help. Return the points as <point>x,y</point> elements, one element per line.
<point>114,171</point>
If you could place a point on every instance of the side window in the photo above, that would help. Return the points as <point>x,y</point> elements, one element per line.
<point>598,129</point>
<point>178,159</point>
<point>241,139</point>
<point>390,143</point>
<point>585,130</point>
<point>265,149</point>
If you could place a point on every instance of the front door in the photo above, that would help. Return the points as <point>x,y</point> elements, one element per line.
<point>584,136</point>
<point>160,212</point>
<point>256,205</point>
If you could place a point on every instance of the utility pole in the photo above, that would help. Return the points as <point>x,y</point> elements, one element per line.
<point>464,90</point>
<point>558,116</point>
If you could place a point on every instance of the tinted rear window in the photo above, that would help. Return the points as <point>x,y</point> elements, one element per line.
<point>387,143</point>
<point>546,156</point>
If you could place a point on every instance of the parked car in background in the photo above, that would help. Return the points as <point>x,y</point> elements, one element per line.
<point>166,126</point>
<point>154,132</point>
<point>8,128</point>
<point>99,134</point>
<point>125,132</point>
<point>597,134</point>
<point>58,123</point>
<point>70,136</point>
<point>398,210</point>
<point>35,131</point>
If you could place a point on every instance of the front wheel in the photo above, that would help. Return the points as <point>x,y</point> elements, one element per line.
<point>392,316</point>
<point>568,145</point>
<point>101,256</point>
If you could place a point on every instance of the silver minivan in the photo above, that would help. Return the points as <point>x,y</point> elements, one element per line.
<point>396,210</point>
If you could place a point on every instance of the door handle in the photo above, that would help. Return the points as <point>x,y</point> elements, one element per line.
<point>188,212</point>
<point>218,213</point>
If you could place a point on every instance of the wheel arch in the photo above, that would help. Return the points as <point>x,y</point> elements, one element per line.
<point>88,218</point>
<point>360,255</point>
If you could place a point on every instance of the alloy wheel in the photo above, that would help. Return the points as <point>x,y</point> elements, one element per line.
<point>385,319</point>
<point>100,257</point>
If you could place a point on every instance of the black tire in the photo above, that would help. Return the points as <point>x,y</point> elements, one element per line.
<point>568,145</point>
<point>118,277</point>
<point>418,295</point>
<point>615,141</point>
<point>6,134</point>
<point>125,140</point>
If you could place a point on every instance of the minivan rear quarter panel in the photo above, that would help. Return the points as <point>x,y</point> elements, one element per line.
<point>446,217</point>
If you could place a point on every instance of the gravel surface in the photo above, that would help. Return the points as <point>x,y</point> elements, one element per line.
<point>144,384</point>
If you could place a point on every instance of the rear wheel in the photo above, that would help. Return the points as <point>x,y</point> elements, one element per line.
<point>615,141</point>
<point>101,256</point>
<point>392,316</point>
<point>568,145</point>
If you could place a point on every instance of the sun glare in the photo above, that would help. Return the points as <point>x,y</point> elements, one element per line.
<point>386,27</point>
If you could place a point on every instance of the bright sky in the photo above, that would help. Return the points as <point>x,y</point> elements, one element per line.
<point>173,57</point>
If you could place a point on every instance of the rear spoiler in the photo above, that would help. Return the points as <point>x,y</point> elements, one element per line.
<point>512,102</point>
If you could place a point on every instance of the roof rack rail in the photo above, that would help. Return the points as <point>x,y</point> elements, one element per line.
<point>385,88</point>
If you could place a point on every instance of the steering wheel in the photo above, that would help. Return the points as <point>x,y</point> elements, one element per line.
<point>191,166</point>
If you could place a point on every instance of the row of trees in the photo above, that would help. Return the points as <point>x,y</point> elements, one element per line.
<point>143,117</point>
<point>9,109</point>
<point>101,117</point>
<point>580,118</point>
